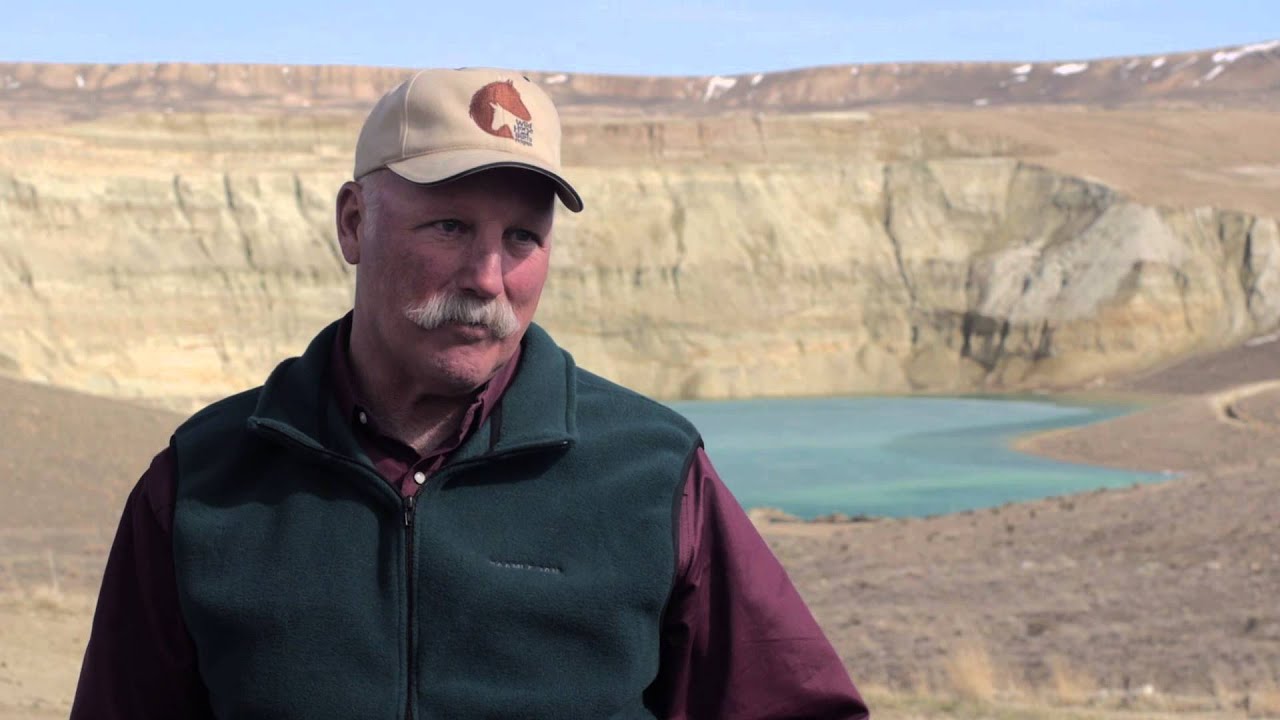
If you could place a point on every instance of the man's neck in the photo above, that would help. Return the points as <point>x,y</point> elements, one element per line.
<point>421,425</point>
<point>402,409</point>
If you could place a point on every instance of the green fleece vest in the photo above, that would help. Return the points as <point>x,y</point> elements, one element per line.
<point>527,579</point>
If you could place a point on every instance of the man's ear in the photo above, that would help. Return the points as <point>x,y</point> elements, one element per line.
<point>350,214</point>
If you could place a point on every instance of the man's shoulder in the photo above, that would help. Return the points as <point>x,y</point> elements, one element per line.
<point>212,436</point>
<point>229,413</point>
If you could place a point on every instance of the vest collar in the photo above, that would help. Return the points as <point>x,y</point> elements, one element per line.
<point>537,411</point>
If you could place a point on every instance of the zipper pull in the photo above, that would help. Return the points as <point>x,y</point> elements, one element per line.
<point>408,510</point>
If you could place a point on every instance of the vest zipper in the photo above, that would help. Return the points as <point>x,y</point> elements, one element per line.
<point>408,581</point>
<point>292,438</point>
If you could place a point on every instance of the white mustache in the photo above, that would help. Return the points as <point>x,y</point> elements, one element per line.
<point>439,310</point>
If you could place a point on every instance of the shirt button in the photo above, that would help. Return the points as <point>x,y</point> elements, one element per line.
<point>364,419</point>
<point>419,477</point>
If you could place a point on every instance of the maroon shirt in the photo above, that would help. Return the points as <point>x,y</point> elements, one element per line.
<point>738,641</point>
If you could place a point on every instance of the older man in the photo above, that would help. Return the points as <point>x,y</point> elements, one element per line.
<point>433,513</point>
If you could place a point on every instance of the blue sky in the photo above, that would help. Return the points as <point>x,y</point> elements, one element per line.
<point>668,37</point>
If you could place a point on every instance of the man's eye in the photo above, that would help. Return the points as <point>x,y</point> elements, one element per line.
<point>524,236</point>
<point>450,226</point>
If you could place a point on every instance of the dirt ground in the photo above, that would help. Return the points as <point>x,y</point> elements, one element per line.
<point>1147,602</point>
<point>1171,586</point>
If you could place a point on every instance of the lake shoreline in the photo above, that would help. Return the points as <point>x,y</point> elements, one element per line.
<point>1176,435</point>
<point>1097,590</point>
<point>1211,412</point>
<point>835,458</point>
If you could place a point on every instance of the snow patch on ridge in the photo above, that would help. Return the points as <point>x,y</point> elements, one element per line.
<point>1022,69</point>
<point>555,79</point>
<point>1070,69</point>
<point>1230,56</point>
<point>717,86</point>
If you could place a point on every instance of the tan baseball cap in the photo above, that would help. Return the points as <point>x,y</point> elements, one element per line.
<point>440,125</point>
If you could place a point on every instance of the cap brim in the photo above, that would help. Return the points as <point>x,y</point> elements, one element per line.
<point>441,167</point>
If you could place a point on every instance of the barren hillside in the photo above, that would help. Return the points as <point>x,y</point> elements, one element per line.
<point>1246,75</point>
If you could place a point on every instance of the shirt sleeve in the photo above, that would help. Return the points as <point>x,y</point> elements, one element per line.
<point>140,662</point>
<point>738,640</point>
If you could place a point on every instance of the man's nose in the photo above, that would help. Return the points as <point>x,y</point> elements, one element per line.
<point>481,271</point>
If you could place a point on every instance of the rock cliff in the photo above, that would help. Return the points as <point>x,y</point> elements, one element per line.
<point>175,257</point>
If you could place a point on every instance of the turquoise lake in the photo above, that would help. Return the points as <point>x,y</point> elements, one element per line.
<point>894,456</point>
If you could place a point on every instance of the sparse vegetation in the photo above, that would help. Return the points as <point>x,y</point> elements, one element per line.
<point>49,598</point>
<point>975,686</point>
<point>1263,702</point>
<point>970,672</point>
<point>1069,685</point>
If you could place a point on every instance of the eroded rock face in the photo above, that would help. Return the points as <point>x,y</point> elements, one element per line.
<point>177,258</point>
<point>939,275</point>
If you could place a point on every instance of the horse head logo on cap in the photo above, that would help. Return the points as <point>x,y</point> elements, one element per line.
<point>498,110</point>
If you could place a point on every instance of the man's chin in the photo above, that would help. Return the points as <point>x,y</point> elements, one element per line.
<point>460,372</point>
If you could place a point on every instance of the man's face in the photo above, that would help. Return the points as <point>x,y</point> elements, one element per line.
<point>447,277</point>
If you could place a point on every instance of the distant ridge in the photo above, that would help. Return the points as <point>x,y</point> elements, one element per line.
<point>1240,76</point>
